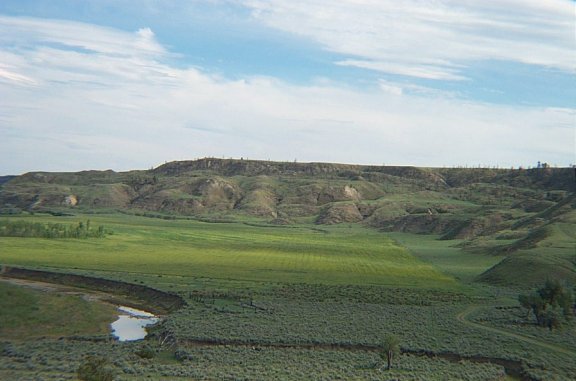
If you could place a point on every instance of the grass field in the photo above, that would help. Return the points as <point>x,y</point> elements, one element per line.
<point>235,251</point>
<point>27,314</point>
<point>446,256</point>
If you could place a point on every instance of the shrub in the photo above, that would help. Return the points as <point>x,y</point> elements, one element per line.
<point>552,304</point>
<point>146,352</point>
<point>95,368</point>
<point>182,355</point>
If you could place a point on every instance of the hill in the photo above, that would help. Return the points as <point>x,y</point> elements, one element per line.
<point>5,179</point>
<point>527,215</point>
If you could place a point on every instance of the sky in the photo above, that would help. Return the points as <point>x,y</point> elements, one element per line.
<point>132,84</point>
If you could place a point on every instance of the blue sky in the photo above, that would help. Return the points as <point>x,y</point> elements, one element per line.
<point>125,84</point>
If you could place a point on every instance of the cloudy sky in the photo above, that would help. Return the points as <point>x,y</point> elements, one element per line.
<point>126,84</point>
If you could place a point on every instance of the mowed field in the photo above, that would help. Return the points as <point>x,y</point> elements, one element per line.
<point>347,254</point>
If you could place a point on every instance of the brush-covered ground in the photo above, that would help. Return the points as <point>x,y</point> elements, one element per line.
<point>282,302</point>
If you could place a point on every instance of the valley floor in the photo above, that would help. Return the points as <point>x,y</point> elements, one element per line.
<point>318,308</point>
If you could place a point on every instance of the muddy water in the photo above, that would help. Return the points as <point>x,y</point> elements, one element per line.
<point>131,324</point>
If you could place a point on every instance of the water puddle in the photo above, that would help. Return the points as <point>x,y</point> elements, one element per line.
<point>132,323</point>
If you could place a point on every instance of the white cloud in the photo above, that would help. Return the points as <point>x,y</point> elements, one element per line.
<point>391,88</point>
<point>7,75</point>
<point>119,104</point>
<point>430,39</point>
<point>22,31</point>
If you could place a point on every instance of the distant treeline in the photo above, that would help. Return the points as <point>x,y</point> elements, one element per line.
<point>51,230</point>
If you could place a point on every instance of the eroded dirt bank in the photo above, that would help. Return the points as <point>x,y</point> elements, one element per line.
<point>156,301</point>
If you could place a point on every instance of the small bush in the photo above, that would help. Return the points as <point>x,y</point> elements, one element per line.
<point>182,355</point>
<point>95,368</point>
<point>146,353</point>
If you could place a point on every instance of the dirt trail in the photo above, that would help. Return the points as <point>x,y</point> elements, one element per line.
<point>462,317</point>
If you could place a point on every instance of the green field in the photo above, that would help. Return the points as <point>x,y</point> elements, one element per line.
<point>234,251</point>
<point>446,256</point>
<point>27,314</point>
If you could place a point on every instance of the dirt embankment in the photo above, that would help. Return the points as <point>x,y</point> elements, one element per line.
<point>156,301</point>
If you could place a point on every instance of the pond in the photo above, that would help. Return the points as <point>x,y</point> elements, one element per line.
<point>132,323</point>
